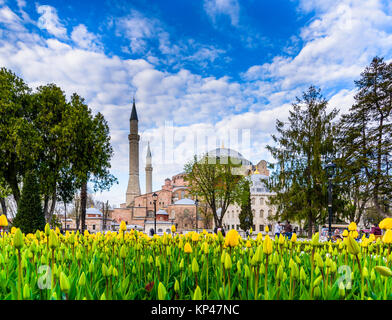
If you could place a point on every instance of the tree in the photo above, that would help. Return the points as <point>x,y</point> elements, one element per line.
<point>19,141</point>
<point>30,216</point>
<point>374,105</point>
<point>301,152</point>
<point>91,151</point>
<point>213,180</point>
<point>246,215</point>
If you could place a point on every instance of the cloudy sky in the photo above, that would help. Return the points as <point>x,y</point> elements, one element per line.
<point>202,72</point>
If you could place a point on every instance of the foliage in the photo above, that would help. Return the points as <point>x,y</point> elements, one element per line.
<point>246,215</point>
<point>216,182</point>
<point>302,148</point>
<point>30,216</point>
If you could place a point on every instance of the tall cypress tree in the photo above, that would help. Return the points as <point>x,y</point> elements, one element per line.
<point>30,216</point>
<point>302,148</point>
<point>246,215</point>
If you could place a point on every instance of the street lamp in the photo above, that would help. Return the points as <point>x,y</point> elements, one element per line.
<point>330,171</point>
<point>154,199</point>
<point>196,203</point>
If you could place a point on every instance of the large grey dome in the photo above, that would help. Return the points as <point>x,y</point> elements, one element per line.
<point>224,153</point>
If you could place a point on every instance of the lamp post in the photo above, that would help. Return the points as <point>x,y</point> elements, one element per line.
<point>154,199</point>
<point>196,203</point>
<point>330,170</point>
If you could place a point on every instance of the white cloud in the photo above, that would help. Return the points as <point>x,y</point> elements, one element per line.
<point>85,39</point>
<point>50,22</point>
<point>215,8</point>
<point>332,56</point>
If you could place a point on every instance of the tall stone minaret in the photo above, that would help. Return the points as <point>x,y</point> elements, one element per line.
<point>133,189</point>
<point>148,170</point>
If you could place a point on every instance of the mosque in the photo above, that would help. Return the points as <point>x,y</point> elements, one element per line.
<point>174,203</point>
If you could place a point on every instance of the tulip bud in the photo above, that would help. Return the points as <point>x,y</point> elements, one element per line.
<point>47,230</point>
<point>302,274</point>
<point>267,245</point>
<point>195,266</point>
<point>123,252</point>
<point>342,291</point>
<point>315,239</point>
<point>53,240</point>
<point>82,280</point>
<point>64,283</point>
<point>115,272</point>
<point>384,271</point>
<point>317,281</point>
<point>26,292</point>
<point>182,264</point>
<point>228,263</point>
<point>176,286</point>
<point>161,291</point>
<point>197,295</point>
<point>18,239</point>
<point>279,273</point>
<point>246,271</point>
<point>104,270</point>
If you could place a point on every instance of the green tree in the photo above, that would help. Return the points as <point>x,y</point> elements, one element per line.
<point>90,152</point>
<point>30,216</point>
<point>246,215</point>
<point>19,141</point>
<point>301,152</point>
<point>215,181</point>
<point>374,101</point>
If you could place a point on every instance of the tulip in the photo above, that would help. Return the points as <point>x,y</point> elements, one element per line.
<point>352,226</point>
<point>386,224</point>
<point>161,291</point>
<point>197,295</point>
<point>267,245</point>
<point>64,283</point>
<point>387,238</point>
<point>187,248</point>
<point>3,221</point>
<point>173,228</point>
<point>231,239</point>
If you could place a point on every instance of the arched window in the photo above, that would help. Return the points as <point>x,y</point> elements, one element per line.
<point>269,213</point>
<point>167,230</point>
<point>261,213</point>
<point>182,194</point>
<point>261,200</point>
<point>253,201</point>
<point>173,214</point>
<point>159,230</point>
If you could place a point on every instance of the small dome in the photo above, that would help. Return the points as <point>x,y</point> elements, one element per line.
<point>185,201</point>
<point>223,153</point>
<point>162,212</point>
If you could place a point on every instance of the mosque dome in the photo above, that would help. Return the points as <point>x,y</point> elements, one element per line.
<point>224,153</point>
<point>93,211</point>
<point>162,212</point>
<point>258,185</point>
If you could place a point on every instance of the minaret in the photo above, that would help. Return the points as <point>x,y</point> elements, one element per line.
<point>133,189</point>
<point>148,170</point>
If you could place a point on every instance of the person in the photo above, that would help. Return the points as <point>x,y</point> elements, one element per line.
<point>277,229</point>
<point>336,235</point>
<point>288,229</point>
<point>376,230</point>
<point>216,230</point>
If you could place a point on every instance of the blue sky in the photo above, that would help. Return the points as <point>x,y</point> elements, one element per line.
<point>209,67</point>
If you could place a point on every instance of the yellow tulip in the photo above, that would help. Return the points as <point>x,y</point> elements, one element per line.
<point>294,237</point>
<point>123,226</point>
<point>387,238</point>
<point>386,224</point>
<point>248,244</point>
<point>3,221</point>
<point>195,236</point>
<point>345,233</point>
<point>173,228</point>
<point>352,246</point>
<point>231,239</point>
<point>187,248</point>
<point>266,229</point>
<point>267,245</point>
<point>352,226</point>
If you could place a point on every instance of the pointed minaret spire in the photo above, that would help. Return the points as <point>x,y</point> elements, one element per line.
<point>134,113</point>
<point>133,189</point>
<point>148,170</point>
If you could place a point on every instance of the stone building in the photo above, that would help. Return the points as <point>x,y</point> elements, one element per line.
<point>174,202</point>
<point>95,222</point>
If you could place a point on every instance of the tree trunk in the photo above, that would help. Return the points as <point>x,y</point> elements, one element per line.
<point>3,206</point>
<point>52,206</point>
<point>83,203</point>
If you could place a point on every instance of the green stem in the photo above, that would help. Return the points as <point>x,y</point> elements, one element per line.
<point>19,276</point>
<point>266,279</point>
